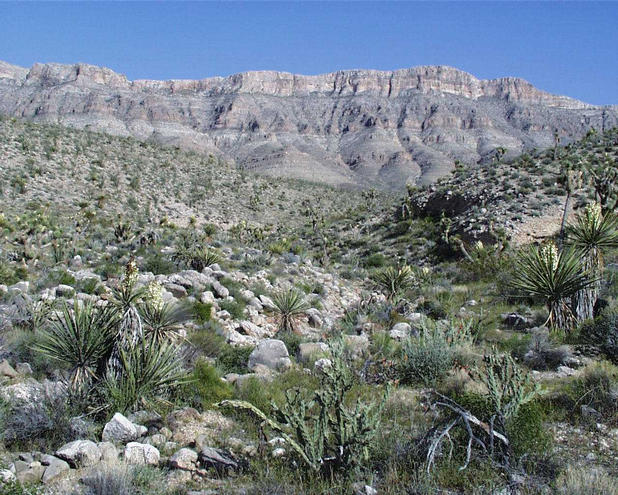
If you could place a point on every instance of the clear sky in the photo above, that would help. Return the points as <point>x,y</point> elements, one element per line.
<point>563,47</point>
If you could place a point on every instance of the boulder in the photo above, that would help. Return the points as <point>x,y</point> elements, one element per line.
<point>32,474</point>
<point>311,350</point>
<point>55,468</point>
<point>80,453</point>
<point>220,290</point>
<point>216,458</point>
<point>400,331</point>
<point>184,459</point>
<point>120,430</point>
<point>271,353</point>
<point>177,290</point>
<point>109,452</point>
<point>315,318</point>
<point>7,370</point>
<point>141,453</point>
<point>267,302</point>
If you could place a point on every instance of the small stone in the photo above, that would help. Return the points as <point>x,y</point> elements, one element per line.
<point>64,291</point>
<point>220,290</point>
<point>400,331</point>
<point>278,452</point>
<point>211,457</point>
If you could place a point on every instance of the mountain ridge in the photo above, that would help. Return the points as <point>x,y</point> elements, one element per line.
<point>357,127</point>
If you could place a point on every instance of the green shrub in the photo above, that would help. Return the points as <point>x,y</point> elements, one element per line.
<point>376,260</point>
<point>207,385</point>
<point>202,311</point>
<point>207,340</point>
<point>602,332</point>
<point>426,359</point>
<point>233,359</point>
<point>527,432</point>
<point>236,308</point>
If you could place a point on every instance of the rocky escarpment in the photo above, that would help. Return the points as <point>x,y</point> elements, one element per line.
<point>360,127</point>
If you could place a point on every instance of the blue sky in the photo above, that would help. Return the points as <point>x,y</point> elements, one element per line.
<point>562,47</point>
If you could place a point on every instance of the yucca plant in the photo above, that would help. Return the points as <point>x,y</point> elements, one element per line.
<point>125,299</point>
<point>290,305</point>
<point>393,281</point>
<point>162,321</point>
<point>592,234</point>
<point>554,277</point>
<point>81,338</point>
<point>147,372</point>
<point>196,258</point>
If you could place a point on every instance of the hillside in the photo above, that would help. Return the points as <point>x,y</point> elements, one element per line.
<point>363,128</point>
<point>170,325</point>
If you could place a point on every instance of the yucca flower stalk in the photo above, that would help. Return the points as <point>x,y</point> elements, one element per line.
<point>130,329</point>
<point>290,305</point>
<point>162,321</point>
<point>553,276</point>
<point>592,234</point>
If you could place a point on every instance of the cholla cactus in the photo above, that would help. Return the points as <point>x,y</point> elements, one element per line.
<point>323,431</point>
<point>508,385</point>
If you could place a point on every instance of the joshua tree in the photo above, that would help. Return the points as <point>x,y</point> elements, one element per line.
<point>591,235</point>
<point>553,276</point>
<point>392,281</point>
<point>604,177</point>
<point>571,179</point>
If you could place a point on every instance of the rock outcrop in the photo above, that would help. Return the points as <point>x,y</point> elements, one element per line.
<point>358,127</point>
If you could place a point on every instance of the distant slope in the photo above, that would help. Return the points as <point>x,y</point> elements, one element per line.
<point>361,127</point>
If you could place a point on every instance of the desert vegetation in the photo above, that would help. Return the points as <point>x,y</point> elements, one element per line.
<point>170,325</point>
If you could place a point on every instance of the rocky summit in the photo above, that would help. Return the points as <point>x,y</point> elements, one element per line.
<point>363,128</point>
